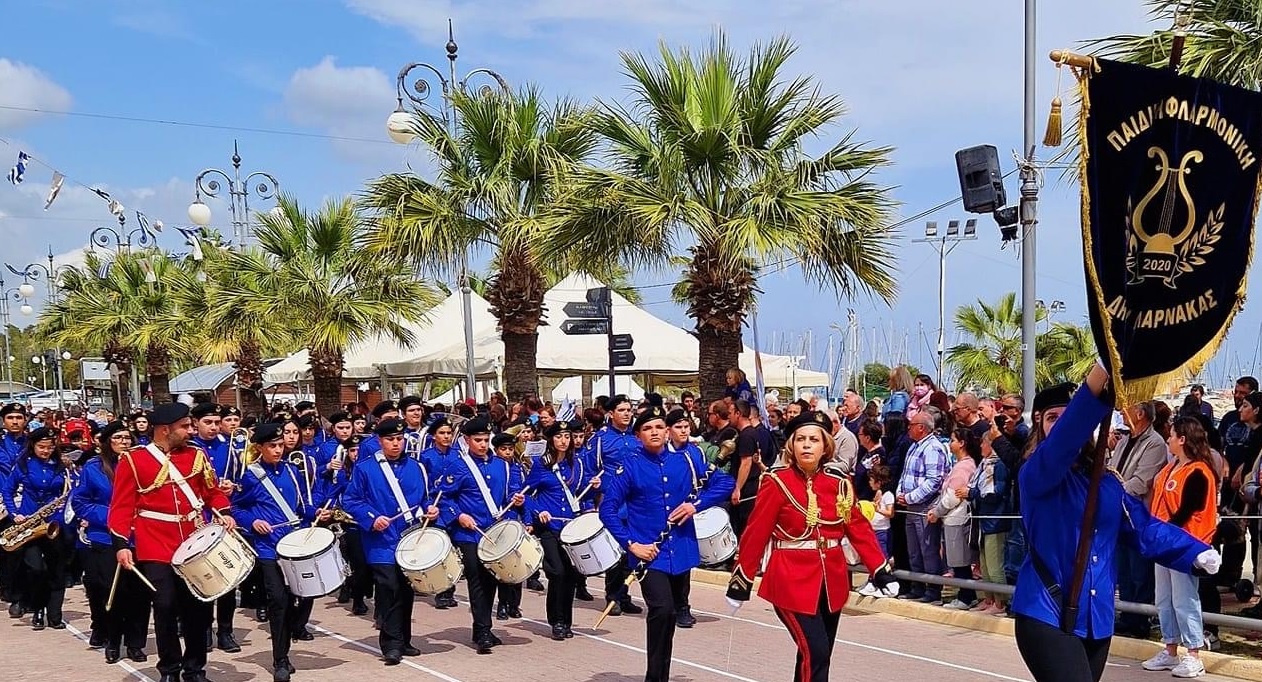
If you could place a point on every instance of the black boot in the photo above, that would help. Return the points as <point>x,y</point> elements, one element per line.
<point>228,643</point>
<point>629,607</point>
<point>112,656</point>
<point>684,617</point>
<point>359,608</point>
<point>37,620</point>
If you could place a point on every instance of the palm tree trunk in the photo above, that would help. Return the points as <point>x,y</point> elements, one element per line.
<point>717,351</point>
<point>326,379</point>
<point>249,378</point>
<point>521,376</point>
<point>157,369</point>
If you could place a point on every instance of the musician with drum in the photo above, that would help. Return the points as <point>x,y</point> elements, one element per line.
<point>476,493</point>
<point>328,492</point>
<point>439,459</point>
<point>805,508</point>
<point>605,450</point>
<point>661,491</point>
<point>388,493</point>
<point>207,436</point>
<point>160,491</point>
<point>556,483</point>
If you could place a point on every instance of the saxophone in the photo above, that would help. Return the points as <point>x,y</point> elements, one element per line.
<point>35,526</point>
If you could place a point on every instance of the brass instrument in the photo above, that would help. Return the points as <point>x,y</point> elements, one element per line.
<point>238,446</point>
<point>298,458</point>
<point>36,525</point>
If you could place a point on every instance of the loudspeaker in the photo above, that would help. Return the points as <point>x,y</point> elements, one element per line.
<point>981,179</point>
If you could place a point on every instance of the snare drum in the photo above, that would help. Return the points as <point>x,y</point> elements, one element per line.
<point>428,560</point>
<point>715,538</point>
<point>591,547</point>
<point>311,562</point>
<point>213,562</point>
<point>509,553</point>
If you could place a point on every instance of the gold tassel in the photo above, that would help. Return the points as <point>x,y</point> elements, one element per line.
<point>1052,138</point>
<point>812,505</point>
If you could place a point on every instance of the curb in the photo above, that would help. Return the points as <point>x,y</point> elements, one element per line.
<point>1123,647</point>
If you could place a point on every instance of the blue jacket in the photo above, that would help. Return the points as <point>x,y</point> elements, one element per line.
<point>546,493</point>
<point>606,448</point>
<point>651,486</point>
<point>40,483</point>
<point>369,495</point>
<point>438,463</point>
<point>255,503</point>
<point>90,499</point>
<point>218,452</point>
<point>369,447</point>
<point>10,450</point>
<point>1053,495</point>
<point>461,494</point>
<point>988,491</point>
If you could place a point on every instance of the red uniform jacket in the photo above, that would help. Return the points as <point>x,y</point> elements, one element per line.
<point>793,578</point>
<point>141,485</point>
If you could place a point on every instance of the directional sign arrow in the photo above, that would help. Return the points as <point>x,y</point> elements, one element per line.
<point>621,342</point>
<point>573,327</point>
<point>622,358</point>
<point>582,309</point>
<point>599,295</point>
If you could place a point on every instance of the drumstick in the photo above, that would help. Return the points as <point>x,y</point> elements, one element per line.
<point>504,511</point>
<point>306,538</point>
<point>235,531</point>
<point>109,603</point>
<point>588,488</point>
<point>143,579</point>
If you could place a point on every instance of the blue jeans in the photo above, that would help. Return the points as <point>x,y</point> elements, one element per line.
<point>924,548</point>
<point>1134,584</point>
<point>883,539</point>
<point>1014,552</point>
<point>1179,608</point>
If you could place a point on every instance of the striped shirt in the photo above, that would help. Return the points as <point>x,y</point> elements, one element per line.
<point>924,470</point>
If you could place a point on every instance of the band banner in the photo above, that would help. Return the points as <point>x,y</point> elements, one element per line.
<point>1170,178</point>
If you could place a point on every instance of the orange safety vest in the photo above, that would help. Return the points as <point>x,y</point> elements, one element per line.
<point>1167,494</point>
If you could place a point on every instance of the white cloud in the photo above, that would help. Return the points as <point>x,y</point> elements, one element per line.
<point>345,101</point>
<point>27,87</point>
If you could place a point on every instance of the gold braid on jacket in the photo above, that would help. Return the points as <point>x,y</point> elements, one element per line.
<point>200,466</point>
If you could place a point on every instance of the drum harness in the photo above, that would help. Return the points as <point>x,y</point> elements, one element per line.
<point>172,474</point>
<point>257,470</point>
<point>406,510</point>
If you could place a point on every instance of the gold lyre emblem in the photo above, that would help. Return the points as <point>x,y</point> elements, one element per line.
<point>1167,251</point>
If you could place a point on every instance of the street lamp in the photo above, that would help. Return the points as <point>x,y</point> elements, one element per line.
<point>122,240</point>
<point>399,127</point>
<point>239,190</point>
<point>50,273</point>
<point>1051,310</point>
<point>5,296</point>
<point>944,244</point>
<point>43,370</point>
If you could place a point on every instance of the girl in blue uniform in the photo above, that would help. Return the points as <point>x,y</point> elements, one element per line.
<point>332,484</point>
<point>39,477</point>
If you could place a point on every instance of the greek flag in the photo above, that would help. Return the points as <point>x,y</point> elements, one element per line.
<point>193,237</point>
<point>18,172</point>
<point>566,412</point>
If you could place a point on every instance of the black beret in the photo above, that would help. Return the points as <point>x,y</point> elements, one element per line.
<point>167,414</point>
<point>615,401</point>
<point>266,433</point>
<point>650,413</point>
<point>557,426</point>
<point>476,426</point>
<point>353,441</point>
<point>407,401</point>
<point>577,425</point>
<point>42,433</point>
<point>388,427</point>
<point>675,416</point>
<point>653,399</point>
<point>437,424</point>
<point>303,405</point>
<point>1055,396</point>
<point>109,430</point>
<point>383,407</point>
<point>204,410</point>
<point>502,440</point>
<point>338,417</point>
<point>229,411</point>
<point>12,408</point>
<point>308,421</point>
<point>809,418</point>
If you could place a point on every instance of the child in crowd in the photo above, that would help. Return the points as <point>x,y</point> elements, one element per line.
<point>879,479</point>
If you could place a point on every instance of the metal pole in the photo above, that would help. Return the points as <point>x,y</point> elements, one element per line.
<point>52,300</point>
<point>1029,213</point>
<point>942,254</point>
<point>466,292</point>
<point>8,364</point>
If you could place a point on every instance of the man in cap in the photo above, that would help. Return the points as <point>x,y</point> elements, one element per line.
<point>11,445</point>
<point>229,419</point>
<point>382,411</point>
<point>476,493</point>
<point>661,491</point>
<point>341,427</point>
<point>386,495</point>
<point>678,440</point>
<point>160,494</point>
<point>440,459</point>
<point>206,436</point>
<point>605,450</point>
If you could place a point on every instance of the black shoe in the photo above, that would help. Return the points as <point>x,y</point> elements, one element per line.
<point>501,612</point>
<point>169,677</point>
<point>37,620</point>
<point>302,635</point>
<point>616,609</point>
<point>484,645</point>
<point>137,654</point>
<point>684,617</point>
<point>582,594</point>
<point>410,650</point>
<point>514,612</point>
<point>198,676</point>
<point>495,641</point>
<point>393,657</point>
<point>280,674</point>
<point>97,641</point>
<point>16,610</point>
<point>445,602</point>
<point>534,585</point>
<point>112,656</point>
<point>228,643</point>
<point>629,607</point>
<point>57,623</point>
<point>569,633</point>
<point>359,608</point>
<point>344,595</point>
<point>558,632</point>
<point>260,615</point>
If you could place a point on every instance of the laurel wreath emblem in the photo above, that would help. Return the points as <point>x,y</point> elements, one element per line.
<point>1193,251</point>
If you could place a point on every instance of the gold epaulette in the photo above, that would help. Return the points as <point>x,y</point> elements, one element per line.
<point>845,499</point>
<point>201,465</point>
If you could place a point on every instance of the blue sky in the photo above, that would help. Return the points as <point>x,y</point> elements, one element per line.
<point>925,76</point>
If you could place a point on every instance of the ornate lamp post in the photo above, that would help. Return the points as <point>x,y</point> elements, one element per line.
<point>5,296</point>
<point>33,272</point>
<point>239,190</point>
<point>122,240</point>
<point>399,127</point>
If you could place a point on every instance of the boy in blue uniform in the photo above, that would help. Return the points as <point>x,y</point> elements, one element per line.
<point>206,424</point>
<point>661,491</point>
<point>440,459</point>
<point>11,444</point>
<point>605,451</point>
<point>385,486</point>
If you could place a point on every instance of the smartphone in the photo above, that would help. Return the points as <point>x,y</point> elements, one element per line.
<point>1001,420</point>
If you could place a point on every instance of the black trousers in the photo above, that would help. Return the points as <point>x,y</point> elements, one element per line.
<point>615,581</point>
<point>739,514</point>
<point>562,578</point>
<point>176,610</point>
<point>1053,656</point>
<point>814,635</point>
<point>394,606</point>
<point>285,612</point>
<point>128,622</point>
<point>43,571</point>
<point>9,587</point>
<point>252,596</point>
<point>225,607</point>
<point>508,594</point>
<point>361,580</point>
<point>482,585</point>
<point>663,593</point>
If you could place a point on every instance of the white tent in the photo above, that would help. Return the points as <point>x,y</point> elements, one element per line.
<point>572,388</point>
<point>780,370</point>
<point>441,327</point>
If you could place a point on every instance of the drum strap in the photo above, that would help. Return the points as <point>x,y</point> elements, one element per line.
<point>481,481</point>
<point>272,490</point>
<point>393,482</point>
<point>176,476</point>
<point>565,488</point>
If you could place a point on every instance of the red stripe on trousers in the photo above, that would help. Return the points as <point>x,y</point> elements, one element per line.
<point>799,638</point>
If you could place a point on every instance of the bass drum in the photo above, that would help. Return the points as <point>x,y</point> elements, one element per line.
<point>213,562</point>
<point>311,562</point>
<point>428,560</point>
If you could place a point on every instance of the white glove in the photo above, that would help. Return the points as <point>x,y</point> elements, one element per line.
<point>734,604</point>
<point>1209,561</point>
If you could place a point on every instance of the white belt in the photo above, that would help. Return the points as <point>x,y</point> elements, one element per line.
<point>170,518</point>
<point>807,544</point>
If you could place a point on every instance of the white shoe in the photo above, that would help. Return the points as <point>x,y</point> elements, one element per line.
<point>956,605</point>
<point>1189,666</point>
<point>868,590</point>
<point>1162,661</point>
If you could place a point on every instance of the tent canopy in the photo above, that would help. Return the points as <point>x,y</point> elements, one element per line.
<point>572,388</point>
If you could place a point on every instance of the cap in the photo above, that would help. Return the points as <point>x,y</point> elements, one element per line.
<point>557,426</point>
<point>388,427</point>
<point>476,426</point>
<point>407,401</point>
<point>266,433</point>
<point>503,439</point>
<point>42,433</point>
<point>204,410</point>
<point>650,413</point>
<point>12,408</point>
<point>675,416</point>
<point>353,441</point>
<point>303,405</point>
<point>437,424</point>
<point>109,430</point>
<point>383,407</point>
<point>308,421</point>
<point>809,418</point>
<point>1056,396</point>
<point>229,411</point>
<point>339,417</point>
<point>167,414</point>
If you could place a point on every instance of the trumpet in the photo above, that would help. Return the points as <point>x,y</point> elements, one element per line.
<point>298,458</point>
<point>238,445</point>
<point>412,446</point>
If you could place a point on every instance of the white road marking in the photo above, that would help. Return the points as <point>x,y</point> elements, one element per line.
<point>699,666</point>
<point>365,647</point>
<point>122,662</point>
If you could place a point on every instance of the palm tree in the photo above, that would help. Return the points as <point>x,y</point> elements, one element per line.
<point>614,276</point>
<point>1222,41</point>
<point>1068,350</point>
<point>322,289</point>
<point>991,358</point>
<point>495,177</point>
<point>710,153</point>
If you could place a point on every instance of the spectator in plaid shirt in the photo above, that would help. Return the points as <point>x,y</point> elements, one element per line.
<point>924,470</point>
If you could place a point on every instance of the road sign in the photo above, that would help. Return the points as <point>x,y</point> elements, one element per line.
<point>599,295</point>
<point>621,358</point>
<point>573,327</point>
<point>581,309</point>
<point>621,342</point>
